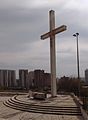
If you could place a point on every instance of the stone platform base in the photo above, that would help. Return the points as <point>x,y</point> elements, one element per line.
<point>21,107</point>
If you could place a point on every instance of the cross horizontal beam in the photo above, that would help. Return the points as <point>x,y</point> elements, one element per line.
<point>53,32</point>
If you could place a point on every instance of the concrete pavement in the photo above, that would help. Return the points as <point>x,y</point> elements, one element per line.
<point>7,113</point>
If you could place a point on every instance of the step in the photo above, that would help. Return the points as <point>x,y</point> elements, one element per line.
<point>31,107</point>
<point>55,107</point>
<point>41,110</point>
<point>44,107</point>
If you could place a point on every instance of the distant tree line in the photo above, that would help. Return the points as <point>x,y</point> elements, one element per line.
<point>67,84</point>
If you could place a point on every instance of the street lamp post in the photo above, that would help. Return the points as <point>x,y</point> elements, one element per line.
<point>76,35</point>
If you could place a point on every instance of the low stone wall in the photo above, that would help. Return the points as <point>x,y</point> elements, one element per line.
<point>84,114</point>
<point>11,93</point>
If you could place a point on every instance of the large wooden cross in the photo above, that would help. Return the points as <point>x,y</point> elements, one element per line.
<point>51,34</point>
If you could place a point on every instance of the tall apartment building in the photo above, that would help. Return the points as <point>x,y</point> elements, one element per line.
<point>23,75</point>
<point>11,78</point>
<point>3,78</point>
<point>7,78</point>
<point>86,76</point>
<point>47,79</point>
<point>39,78</point>
<point>30,80</point>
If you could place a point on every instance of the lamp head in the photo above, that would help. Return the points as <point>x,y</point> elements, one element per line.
<point>77,34</point>
<point>74,35</point>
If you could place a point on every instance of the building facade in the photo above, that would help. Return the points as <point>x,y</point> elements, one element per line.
<point>27,80</point>
<point>38,78</point>
<point>47,80</point>
<point>7,78</point>
<point>86,76</point>
<point>41,80</point>
<point>3,78</point>
<point>23,76</point>
<point>11,78</point>
<point>30,80</point>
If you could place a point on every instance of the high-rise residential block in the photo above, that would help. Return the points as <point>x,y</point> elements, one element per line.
<point>11,78</point>
<point>86,76</point>
<point>7,78</point>
<point>23,75</point>
<point>38,78</point>
<point>30,80</point>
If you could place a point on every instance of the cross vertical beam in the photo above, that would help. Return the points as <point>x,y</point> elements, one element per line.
<point>52,54</point>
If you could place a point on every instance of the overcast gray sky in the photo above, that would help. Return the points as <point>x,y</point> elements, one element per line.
<point>22,22</point>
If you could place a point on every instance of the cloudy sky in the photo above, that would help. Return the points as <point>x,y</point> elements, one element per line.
<point>22,22</point>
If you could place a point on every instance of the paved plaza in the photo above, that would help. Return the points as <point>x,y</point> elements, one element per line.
<point>7,113</point>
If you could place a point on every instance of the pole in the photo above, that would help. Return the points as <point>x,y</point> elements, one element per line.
<point>76,35</point>
<point>78,64</point>
<point>78,57</point>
